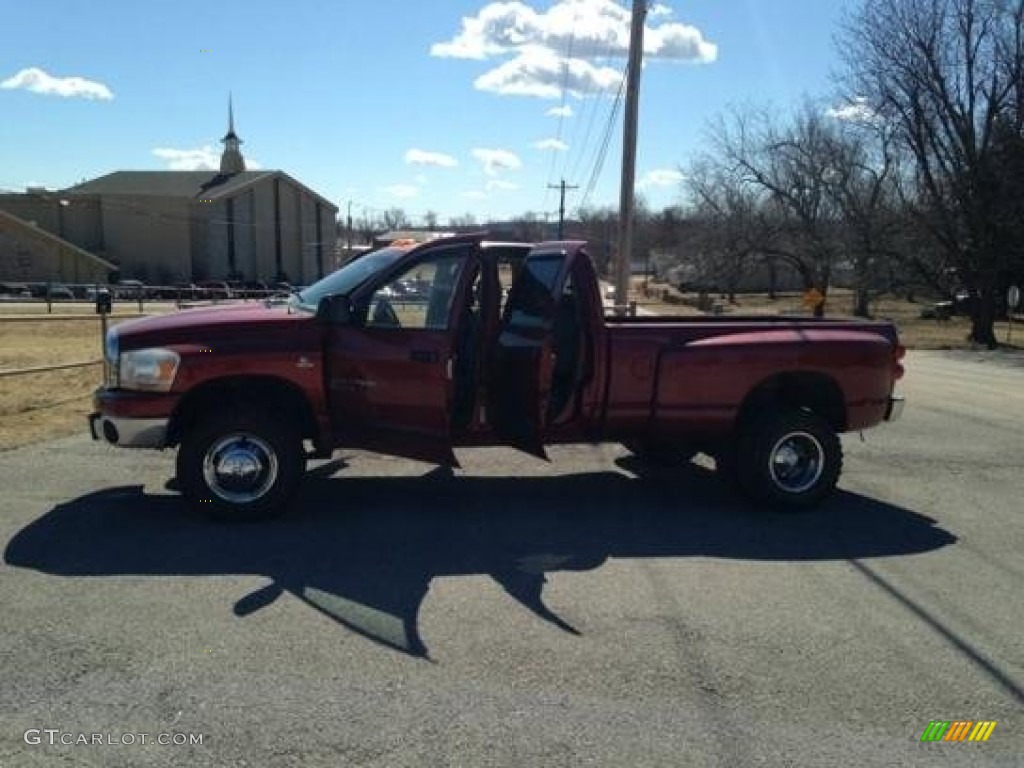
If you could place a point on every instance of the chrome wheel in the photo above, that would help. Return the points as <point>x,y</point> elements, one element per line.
<point>240,468</point>
<point>796,462</point>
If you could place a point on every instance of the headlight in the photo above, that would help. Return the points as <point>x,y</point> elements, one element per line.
<point>111,351</point>
<point>150,370</point>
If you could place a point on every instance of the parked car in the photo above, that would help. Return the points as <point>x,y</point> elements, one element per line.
<point>129,290</point>
<point>213,289</point>
<point>254,289</point>
<point>15,291</point>
<point>58,291</point>
<point>240,389</point>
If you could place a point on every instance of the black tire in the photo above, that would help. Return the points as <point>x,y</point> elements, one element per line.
<point>264,456</point>
<point>662,453</point>
<point>790,460</point>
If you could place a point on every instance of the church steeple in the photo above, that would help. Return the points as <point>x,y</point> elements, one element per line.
<point>231,160</point>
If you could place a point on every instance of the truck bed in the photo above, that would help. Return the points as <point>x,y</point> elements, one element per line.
<point>692,374</point>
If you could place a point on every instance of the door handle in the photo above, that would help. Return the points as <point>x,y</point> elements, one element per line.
<point>424,355</point>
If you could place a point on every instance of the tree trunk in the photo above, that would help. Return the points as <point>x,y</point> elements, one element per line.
<point>983,318</point>
<point>819,309</point>
<point>861,303</point>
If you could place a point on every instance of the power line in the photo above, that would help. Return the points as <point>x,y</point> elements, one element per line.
<point>561,110</point>
<point>603,151</point>
<point>588,115</point>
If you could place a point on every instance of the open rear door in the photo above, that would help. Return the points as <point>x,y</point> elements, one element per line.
<point>522,362</point>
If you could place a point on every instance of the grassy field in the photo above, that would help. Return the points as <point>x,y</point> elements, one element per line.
<point>41,406</point>
<point>915,332</point>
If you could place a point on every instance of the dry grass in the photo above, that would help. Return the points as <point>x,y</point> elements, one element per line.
<point>915,332</point>
<point>41,406</point>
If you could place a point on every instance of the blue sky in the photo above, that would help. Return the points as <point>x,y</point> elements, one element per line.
<point>427,106</point>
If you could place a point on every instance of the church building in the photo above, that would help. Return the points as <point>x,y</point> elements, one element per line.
<point>164,227</point>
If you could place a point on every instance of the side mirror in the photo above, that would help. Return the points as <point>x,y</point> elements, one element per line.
<point>335,310</point>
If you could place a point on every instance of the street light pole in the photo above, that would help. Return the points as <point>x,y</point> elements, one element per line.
<point>626,199</point>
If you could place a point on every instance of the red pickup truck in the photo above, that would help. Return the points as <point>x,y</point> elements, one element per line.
<point>414,350</point>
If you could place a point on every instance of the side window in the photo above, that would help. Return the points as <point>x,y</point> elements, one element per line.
<point>509,260</point>
<point>421,297</point>
<point>532,300</point>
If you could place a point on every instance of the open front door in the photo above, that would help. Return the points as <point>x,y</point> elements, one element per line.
<point>523,358</point>
<point>390,371</point>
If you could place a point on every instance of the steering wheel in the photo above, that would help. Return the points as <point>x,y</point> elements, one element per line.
<point>384,314</point>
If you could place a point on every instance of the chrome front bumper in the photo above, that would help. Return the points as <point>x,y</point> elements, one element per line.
<point>895,408</point>
<point>128,433</point>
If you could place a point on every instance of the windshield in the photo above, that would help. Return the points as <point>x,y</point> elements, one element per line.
<point>346,279</point>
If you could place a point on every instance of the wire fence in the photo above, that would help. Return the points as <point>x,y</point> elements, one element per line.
<point>47,368</point>
<point>56,403</point>
<point>64,295</point>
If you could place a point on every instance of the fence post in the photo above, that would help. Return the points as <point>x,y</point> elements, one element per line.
<point>49,300</point>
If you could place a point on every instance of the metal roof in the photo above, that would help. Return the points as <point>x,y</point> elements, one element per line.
<point>195,185</point>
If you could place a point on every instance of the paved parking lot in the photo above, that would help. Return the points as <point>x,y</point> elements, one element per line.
<point>586,612</point>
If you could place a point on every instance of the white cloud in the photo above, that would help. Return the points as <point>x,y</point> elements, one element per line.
<point>535,45</point>
<point>539,71</point>
<point>563,111</point>
<point>423,157</point>
<point>660,177</point>
<point>37,81</point>
<point>403,191</point>
<point>501,184</point>
<point>496,160</point>
<point>475,194</point>
<point>855,111</point>
<point>551,144</point>
<point>204,158</point>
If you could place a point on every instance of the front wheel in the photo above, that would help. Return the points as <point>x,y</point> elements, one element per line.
<point>240,466</point>
<point>789,460</point>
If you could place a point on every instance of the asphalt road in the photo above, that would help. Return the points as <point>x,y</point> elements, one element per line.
<point>586,612</point>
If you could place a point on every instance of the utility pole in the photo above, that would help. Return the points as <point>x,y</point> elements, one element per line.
<point>561,205</point>
<point>622,258</point>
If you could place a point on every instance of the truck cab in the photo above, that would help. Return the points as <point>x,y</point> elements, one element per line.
<point>463,343</point>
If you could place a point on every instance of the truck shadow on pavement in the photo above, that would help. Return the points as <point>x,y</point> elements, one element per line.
<point>364,550</point>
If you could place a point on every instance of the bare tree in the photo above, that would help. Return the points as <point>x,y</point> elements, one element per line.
<point>367,225</point>
<point>731,226</point>
<point>529,227</point>
<point>430,219</point>
<point>598,226</point>
<point>465,221</point>
<point>946,74</point>
<point>862,179</point>
<point>395,218</point>
<point>791,163</point>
